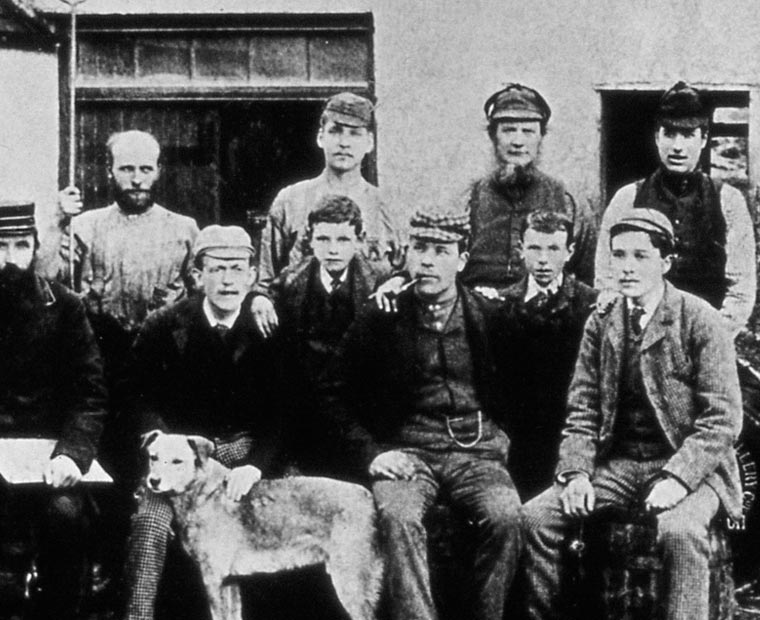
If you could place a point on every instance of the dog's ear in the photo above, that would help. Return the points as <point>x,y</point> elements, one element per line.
<point>202,447</point>
<point>148,438</point>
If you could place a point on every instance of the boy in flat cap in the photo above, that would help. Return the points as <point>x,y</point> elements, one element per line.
<point>200,367</point>
<point>317,300</point>
<point>546,311</point>
<point>51,386</point>
<point>517,118</point>
<point>714,255</point>
<point>420,417</point>
<point>346,136</point>
<point>654,409</point>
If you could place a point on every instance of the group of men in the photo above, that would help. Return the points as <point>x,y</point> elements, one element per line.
<point>484,372</point>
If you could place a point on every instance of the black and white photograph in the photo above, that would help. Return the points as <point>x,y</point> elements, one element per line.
<point>379,310</point>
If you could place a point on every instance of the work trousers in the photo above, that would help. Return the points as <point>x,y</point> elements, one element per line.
<point>476,482</point>
<point>682,533</point>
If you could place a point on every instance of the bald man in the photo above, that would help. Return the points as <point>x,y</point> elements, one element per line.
<point>131,255</point>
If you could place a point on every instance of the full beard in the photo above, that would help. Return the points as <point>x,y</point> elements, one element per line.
<point>513,181</point>
<point>17,290</point>
<point>133,201</point>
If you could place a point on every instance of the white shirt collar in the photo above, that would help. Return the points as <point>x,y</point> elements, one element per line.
<point>534,288</point>
<point>327,279</point>
<point>213,321</point>
<point>649,308</point>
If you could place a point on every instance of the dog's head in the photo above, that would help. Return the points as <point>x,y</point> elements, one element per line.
<point>174,460</point>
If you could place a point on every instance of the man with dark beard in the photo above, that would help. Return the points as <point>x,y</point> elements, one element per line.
<point>499,203</point>
<point>51,386</point>
<point>133,255</point>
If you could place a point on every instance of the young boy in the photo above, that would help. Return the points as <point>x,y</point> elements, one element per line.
<point>654,409</point>
<point>200,367</point>
<point>546,311</point>
<point>317,300</point>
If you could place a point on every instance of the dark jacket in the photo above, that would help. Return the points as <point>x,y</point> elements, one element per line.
<point>367,390</point>
<point>309,346</point>
<point>292,289</point>
<point>184,378</point>
<point>51,374</point>
<point>542,346</point>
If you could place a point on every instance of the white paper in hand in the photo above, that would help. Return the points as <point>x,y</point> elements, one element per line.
<point>22,461</point>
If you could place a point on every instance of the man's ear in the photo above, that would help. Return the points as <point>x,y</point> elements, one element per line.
<point>148,438</point>
<point>196,274</point>
<point>570,251</point>
<point>463,258</point>
<point>202,447</point>
<point>667,263</point>
<point>319,136</point>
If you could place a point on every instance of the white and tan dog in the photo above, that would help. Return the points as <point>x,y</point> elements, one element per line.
<point>281,524</point>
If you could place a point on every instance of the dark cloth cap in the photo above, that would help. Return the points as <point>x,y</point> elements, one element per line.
<point>683,107</point>
<point>645,220</point>
<point>16,218</point>
<point>517,102</point>
<point>349,109</point>
<point>446,227</point>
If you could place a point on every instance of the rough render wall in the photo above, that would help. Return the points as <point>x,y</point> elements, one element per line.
<point>437,60</point>
<point>29,131</point>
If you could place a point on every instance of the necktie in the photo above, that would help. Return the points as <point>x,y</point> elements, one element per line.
<point>541,299</point>
<point>636,313</point>
<point>221,330</point>
<point>335,285</point>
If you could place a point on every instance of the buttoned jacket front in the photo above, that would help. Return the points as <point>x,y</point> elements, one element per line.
<point>689,372</point>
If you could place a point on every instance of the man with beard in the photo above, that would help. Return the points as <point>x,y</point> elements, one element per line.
<point>714,245</point>
<point>133,255</point>
<point>499,203</point>
<point>51,386</point>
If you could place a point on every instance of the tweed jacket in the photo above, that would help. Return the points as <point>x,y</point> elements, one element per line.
<point>689,371</point>
<point>184,378</point>
<point>51,373</point>
<point>367,390</point>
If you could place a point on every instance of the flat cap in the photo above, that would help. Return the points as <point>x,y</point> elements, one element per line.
<point>517,102</point>
<point>645,220</point>
<point>446,227</point>
<point>223,242</point>
<point>349,109</point>
<point>16,217</point>
<point>682,106</point>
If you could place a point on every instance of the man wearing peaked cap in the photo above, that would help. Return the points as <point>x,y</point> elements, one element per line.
<point>517,119</point>
<point>653,412</point>
<point>424,413</point>
<point>714,242</point>
<point>52,387</point>
<point>200,367</point>
<point>346,137</point>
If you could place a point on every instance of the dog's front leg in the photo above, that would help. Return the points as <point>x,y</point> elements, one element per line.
<point>224,600</point>
<point>232,606</point>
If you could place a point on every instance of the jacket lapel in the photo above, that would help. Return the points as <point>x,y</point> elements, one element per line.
<point>613,349</point>
<point>660,322</point>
